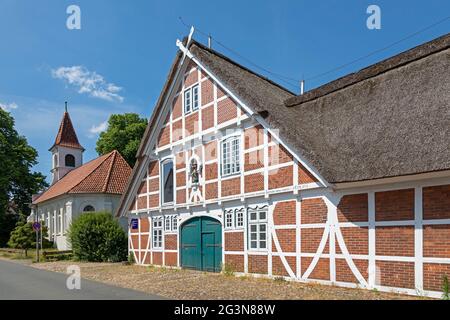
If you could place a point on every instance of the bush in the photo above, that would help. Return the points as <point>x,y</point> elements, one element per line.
<point>97,237</point>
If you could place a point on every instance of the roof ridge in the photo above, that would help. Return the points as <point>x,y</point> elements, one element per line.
<point>92,171</point>
<point>222,56</point>
<point>393,62</point>
<point>105,187</point>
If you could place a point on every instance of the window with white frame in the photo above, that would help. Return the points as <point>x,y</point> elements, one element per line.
<point>231,156</point>
<point>187,100</point>
<point>239,218</point>
<point>229,219</point>
<point>157,233</point>
<point>195,97</point>
<point>191,99</point>
<point>257,228</point>
<point>174,223</point>
<point>168,223</point>
<point>167,182</point>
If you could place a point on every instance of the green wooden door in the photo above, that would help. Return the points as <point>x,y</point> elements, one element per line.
<point>201,244</point>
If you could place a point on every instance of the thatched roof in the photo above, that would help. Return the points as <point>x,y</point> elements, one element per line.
<point>390,119</point>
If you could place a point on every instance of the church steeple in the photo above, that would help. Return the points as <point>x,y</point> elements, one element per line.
<point>67,152</point>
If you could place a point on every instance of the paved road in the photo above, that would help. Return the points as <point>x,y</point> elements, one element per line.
<point>18,281</point>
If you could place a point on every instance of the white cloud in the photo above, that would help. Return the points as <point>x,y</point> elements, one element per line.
<point>100,128</point>
<point>88,82</point>
<point>8,106</point>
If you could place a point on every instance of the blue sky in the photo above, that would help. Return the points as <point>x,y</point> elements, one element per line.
<point>119,59</point>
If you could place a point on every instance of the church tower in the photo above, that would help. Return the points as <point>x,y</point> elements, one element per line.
<point>67,153</point>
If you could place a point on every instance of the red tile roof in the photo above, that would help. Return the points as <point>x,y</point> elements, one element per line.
<point>66,136</point>
<point>106,174</point>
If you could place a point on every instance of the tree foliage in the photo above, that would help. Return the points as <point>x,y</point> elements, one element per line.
<point>97,237</point>
<point>17,182</point>
<point>124,134</point>
<point>24,237</point>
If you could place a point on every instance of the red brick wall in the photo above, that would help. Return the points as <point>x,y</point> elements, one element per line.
<point>234,241</point>
<point>253,137</point>
<point>433,274</point>
<point>311,239</point>
<point>142,202</point>
<point>395,241</point>
<point>231,187</point>
<point>396,274</point>
<point>356,240</point>
<point>394,205</point>
<point>320,272</point>
<point>436,241</point>
<point>153,168</point>
<point>154,201</point>
<point>279,178</point>
<point>304,176</point>
<point>345,274</point>
<point>284,213</point>
<point>153,185</point>
<point>313,211</point>
<point>278,268</point>
<point>164,136</point>
<point>353,208</point>
<point>254,160</point>
<point>278,154</point>
<point>145,225</point>
<point>436,202</point>
<point>254,182</point>
<point>286,239</point>
<point>226,110</point>
<point>207,92</point>
<point>211,171</point>
<point>170,242</point>
<point>143,187</point>
<point>171,259</point>
<point>191,124</point>
<point>236,262</point>
<point>181,196</point>
<point>208,118</point>
<point>211,191</point>
<point>157,258</point>
<point>257,264</point>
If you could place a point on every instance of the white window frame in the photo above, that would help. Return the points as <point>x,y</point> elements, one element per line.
<point>191,98</point>
<point>228,217</point>
<point>235,164</point>
<point>175,223</point>
<point>195,94</point>
<point>259,225</point>
<point>187,101</point>
<point>157,232</point>
<point>239,217</point>
<point>168,223</point>
<point>161,193</point>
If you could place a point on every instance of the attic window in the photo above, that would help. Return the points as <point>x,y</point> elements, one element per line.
<point>191,99</point>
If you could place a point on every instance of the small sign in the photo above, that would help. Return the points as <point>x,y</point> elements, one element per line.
<point>36,226</point>
<point>134,224</point>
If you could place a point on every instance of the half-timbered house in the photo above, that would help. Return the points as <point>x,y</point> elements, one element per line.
<point>347,184</point>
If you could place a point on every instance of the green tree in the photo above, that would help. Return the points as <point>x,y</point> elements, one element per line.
<point>124,134</point>
<point>23,236</point>
<point>97,237</point>
<point>17,182</point>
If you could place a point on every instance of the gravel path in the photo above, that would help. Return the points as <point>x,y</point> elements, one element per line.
<point>187,284</point>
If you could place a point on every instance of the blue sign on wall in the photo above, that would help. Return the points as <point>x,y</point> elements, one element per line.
<point>134,223</point>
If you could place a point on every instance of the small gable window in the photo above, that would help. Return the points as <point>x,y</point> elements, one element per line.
<point>70,161</point>
<point>191,99</point>
<point>89,208</point>
<point>167,182</point>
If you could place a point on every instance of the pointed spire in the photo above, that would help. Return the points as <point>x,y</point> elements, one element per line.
<point>66,136</point>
